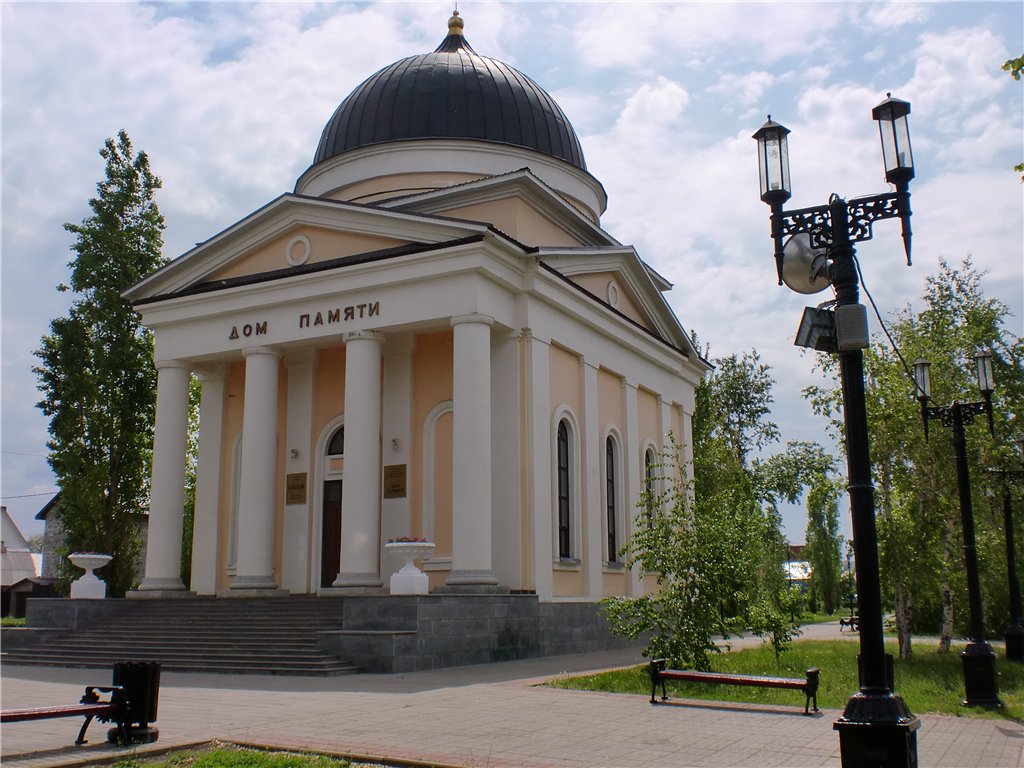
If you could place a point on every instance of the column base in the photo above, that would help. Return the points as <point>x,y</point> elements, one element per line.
<point>253,582</point>
<point>358,581</point>
<point>171,584</point>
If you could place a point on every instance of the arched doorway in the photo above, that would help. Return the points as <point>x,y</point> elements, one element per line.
<point>330,513</point>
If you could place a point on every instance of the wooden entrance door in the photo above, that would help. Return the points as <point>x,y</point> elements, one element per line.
<point>330,540</point>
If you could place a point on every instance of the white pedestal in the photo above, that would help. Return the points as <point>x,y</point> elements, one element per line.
<point>410,580</point>
<point>89,586</point>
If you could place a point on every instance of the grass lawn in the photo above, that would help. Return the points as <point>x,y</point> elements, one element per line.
<point>229,756</point>
<point>929,683</point>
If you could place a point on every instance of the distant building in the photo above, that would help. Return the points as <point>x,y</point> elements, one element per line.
<point>17,566</point>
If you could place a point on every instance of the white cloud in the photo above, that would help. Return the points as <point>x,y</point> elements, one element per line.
<point>229,100</point>
<point>743,89</point>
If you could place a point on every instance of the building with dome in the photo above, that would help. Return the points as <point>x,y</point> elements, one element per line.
<point>430,337</point>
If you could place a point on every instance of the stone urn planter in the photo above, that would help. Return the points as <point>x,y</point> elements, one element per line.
<point>410,580</point>
<point>89,586</point>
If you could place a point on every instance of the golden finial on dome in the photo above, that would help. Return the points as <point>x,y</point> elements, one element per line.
<point>455,24</point>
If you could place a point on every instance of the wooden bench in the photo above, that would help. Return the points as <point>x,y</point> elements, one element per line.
<point>659,674</point>
<point>130,704</point>
<point>89,707</point>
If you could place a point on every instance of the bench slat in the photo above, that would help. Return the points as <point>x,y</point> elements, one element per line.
<point>45,713</point>
<point>728,679</point>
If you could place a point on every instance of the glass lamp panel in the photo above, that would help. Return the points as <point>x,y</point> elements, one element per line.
<point>923,379</point>
<point>983,365</point>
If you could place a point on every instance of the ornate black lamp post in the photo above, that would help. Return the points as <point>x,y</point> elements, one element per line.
<point>876,728</point>
<point>979,660</point>
<point>1014,635</point>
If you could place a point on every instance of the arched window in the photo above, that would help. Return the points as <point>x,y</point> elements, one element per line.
<point>650,484</point>
<point>337,444</point>
<point>564,491</point>
<point>611,490</point>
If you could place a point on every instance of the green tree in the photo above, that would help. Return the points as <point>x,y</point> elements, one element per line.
<point>823,543</point>
<point>96,372</point>
<point>917,500</point>
<point>717,549</point>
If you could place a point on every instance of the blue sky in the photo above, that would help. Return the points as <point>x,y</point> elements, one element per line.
<point>229,100</point>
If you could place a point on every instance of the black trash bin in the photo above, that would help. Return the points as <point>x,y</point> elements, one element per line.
<point>141,683</point>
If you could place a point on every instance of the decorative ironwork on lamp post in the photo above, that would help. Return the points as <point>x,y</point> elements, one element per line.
<point>979,660</point>
<point>876,728</point>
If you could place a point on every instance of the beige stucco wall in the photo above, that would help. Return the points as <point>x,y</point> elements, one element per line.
<point>383,187</point>
<point>432,384</point>
<point>232,428</point>
<point>597,284</point>
<point>647,420</point>
<point>519,220</point>
<point>325,245</point>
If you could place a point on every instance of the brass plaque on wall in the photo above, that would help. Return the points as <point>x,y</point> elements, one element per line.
<point>295,488</point>
<point>394,481</point>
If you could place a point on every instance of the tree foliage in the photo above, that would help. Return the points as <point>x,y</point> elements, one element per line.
<point>96,370</point>
<point>716,547</point>
<point>917,501</point>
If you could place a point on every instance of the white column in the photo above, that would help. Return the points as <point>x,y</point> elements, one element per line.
<point>295,541</point>
<point>539,450</point>
<point>593,518</point>
<point>360,492</point>
<point>471,460</point>
<point>258,481</point>
<point>205,526</point>
<point>633,463</point>
<point>167,490</point>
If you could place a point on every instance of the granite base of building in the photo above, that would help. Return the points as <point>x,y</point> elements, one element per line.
<point>415,633</point>
<point>377,633</point>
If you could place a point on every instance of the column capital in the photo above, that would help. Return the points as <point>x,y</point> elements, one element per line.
<point>179,364</point>
<point>270,351</point>
<point>473,318</point>
<point>364,335</point>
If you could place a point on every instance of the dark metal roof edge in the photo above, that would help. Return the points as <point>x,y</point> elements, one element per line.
<point>48,507</point>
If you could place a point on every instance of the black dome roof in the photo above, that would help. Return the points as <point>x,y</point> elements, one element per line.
<point>452,93</point>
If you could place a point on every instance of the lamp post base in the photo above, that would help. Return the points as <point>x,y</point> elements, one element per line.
<point>980,682</point>
<point>1014,638</point>
<point>877,730</point>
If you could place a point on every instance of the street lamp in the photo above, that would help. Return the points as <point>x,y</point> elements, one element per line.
<point>979,660</point>
<point>876,728</point>
<point>1014,634</point>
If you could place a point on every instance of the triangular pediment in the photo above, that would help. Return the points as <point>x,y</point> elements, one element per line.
<point>518,204</point>
<point>617,277</point>
<point>293,233</point>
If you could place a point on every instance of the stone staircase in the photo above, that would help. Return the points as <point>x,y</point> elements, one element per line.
<point>242,635</point>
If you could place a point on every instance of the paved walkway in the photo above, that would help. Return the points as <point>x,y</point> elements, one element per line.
<point>490,716</point>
